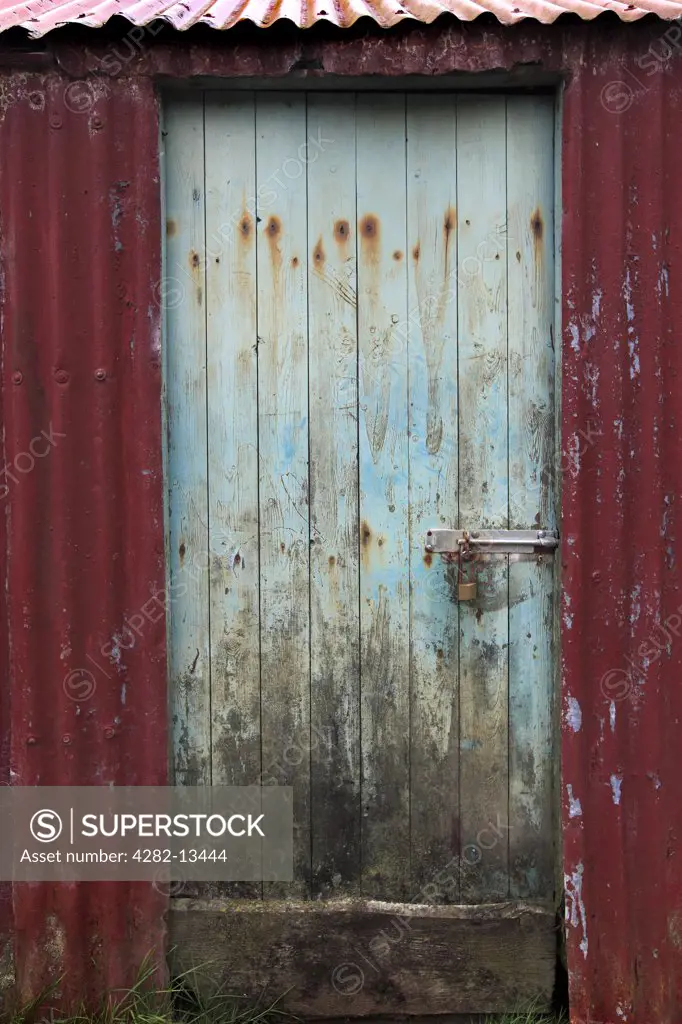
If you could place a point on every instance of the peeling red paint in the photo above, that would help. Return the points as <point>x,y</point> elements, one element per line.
<point>75,301</point>
<point>621,365</point>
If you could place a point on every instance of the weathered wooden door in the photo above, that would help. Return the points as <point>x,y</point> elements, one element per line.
<point>359,295</point>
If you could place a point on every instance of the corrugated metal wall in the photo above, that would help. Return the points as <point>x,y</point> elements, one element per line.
<point>622,666</point>
<point>80,247</point>
<point>79,200</point>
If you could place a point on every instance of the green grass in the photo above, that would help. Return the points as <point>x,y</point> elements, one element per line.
<point>183,1003</point>
<point>529,1018</point>
<point>143,1003</point>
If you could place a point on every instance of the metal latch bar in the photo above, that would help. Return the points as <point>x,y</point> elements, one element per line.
<point>499,541</point>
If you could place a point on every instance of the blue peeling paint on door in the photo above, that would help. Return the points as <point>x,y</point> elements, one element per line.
<point>363,350</point>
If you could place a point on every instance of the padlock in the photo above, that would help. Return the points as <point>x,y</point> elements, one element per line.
<point>466,589</point>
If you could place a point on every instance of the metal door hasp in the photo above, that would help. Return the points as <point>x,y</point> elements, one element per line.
<point>499,541</point>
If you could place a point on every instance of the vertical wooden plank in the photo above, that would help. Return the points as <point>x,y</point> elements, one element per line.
<point>483,497</point>
<point>530,257</point>
<point>232,437</point>
<point>283,460</point>
<point>334,555</point>
<point>384,545</point>
<point>433,498</point>
<point>184,291</point>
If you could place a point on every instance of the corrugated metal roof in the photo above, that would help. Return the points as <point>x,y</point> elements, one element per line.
<point>41,16</point>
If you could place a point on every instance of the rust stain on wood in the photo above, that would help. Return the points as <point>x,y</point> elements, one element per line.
<point>449,224</point>
<point>318,254</point>
<point>366,539</point>
<point>246,226</point>
<point>537,226</point>
<point>273,233</point>
<point>194,261</point>
<point>342,231</point>
<point>370,235</point>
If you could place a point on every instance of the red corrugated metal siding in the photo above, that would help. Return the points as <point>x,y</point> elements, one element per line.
<point>86,532</point>
<point>622,372</point>
<point>6,942</point>
<point>79,200</point>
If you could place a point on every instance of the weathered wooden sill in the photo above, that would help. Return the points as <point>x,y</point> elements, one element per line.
<point>364,958</point>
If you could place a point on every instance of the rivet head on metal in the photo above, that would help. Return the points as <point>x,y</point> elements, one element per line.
<point>55,121</point>
<point>66,739</point>
<point>17,377</point>
<point>97,122</point>
<point>31,741</point>
<point>109,733</point>
<point>100,374</point>
<point>61,376</point>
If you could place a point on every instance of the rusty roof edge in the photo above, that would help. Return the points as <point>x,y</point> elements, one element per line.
<point>39,19</point>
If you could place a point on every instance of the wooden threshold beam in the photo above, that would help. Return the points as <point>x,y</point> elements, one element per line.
<point>364,958</point>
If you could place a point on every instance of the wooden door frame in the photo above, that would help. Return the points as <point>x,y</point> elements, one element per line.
<point>498,956</point>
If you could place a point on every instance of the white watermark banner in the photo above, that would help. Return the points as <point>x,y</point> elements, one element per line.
<point>159,834</point>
